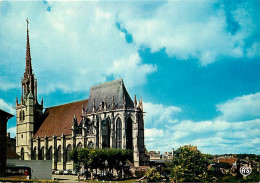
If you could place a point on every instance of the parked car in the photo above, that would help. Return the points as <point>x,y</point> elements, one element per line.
<point>73,172</point>
<point>67,172</point>
<point>59,172</point>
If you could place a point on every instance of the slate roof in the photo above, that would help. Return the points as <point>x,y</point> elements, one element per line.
<point>57,120</point>
<point>105,92</point>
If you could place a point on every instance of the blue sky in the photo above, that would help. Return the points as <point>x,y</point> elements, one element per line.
<point>196,64</point>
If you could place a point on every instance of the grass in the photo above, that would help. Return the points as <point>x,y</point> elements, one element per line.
<point>114,181</point>
<point>25,180</point>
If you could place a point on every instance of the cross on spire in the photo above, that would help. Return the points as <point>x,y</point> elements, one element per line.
<point>27,23</point>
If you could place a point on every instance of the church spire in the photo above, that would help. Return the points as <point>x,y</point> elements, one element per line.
<point>28,68</point>
<point>29,84</point>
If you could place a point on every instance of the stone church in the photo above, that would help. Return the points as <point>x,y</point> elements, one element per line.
<point>108,119</point>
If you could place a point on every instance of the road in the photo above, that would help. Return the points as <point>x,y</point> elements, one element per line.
<point>65,178</point>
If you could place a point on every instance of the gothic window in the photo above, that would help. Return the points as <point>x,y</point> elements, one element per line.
<point>59,153</point>
<point>79,146</point>
<point>118,133</point>
<point>105,131</point>
<point>41,153</point>
<point>68,150</point>
<point>89,126</point>
<point>22,154</point>
<point>49,154</point>
<point>129,134</point>
<point>55,155</point>
<point>23,116</point>
<point>20,116</point>
<point>34,154</point>
<point>97,132</point>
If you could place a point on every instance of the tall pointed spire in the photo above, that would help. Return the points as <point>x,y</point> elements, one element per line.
<point>28,68</point>
<point>29,82</point>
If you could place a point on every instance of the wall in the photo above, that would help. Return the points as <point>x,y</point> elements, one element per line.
<point>3,121</point>
<point>41,169</point>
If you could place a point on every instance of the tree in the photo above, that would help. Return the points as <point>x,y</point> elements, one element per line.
<point>73,155</point>
<point>190,166</point>
<point>152,175</point>
<point>101,159</point>
<point>84,157</point>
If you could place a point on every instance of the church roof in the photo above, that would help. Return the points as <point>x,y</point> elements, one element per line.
<point>106,92</point>
<point>57,120</point>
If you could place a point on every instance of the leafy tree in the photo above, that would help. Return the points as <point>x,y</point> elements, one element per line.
<point>84,157</point>
<point>152,175</point>
<point>101,159</point>
<point>190,166</point>
<point>74,156</point>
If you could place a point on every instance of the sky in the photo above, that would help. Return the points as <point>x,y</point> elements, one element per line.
<point>196,64</point>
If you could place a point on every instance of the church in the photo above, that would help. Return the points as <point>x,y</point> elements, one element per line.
<point>108,119</point>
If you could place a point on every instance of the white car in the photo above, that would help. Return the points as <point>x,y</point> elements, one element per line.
<point>59,172</point>
<point>66,172</point>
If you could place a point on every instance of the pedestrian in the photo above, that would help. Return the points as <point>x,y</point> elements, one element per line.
<point>78,177</point>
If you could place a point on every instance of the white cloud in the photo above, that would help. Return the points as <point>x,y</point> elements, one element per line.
<point>240,108</point>
<point>131,69</point>
<point>153,132</point>
<point>77,45</point>
<point>235,131</point>
<point>6,107</point>
<point>12,131</point>
<point>158,114</point>
<point>232,137</point>
<point>73,47</point>
<point>189,29</point>
<point>157,139</point>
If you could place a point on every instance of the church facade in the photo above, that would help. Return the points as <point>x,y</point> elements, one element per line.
<point>108,119</point>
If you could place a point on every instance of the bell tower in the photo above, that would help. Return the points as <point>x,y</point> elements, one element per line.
<point>28,111</point>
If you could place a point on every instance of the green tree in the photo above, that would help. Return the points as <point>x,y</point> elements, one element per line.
<point>152,175</point>
<point>101,159</point>
<point>74,156</point>
<point>84,157</point>
<point>190,166</point>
